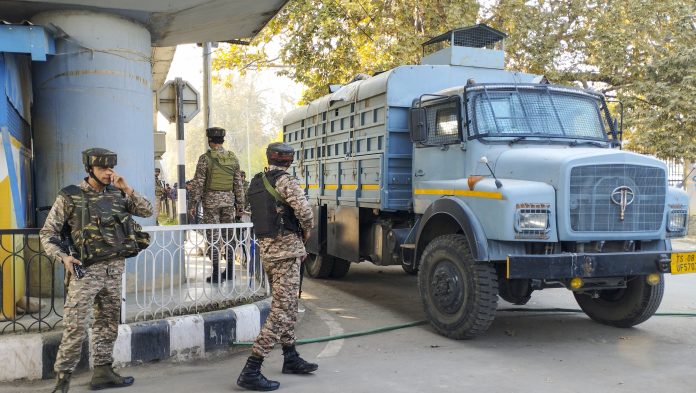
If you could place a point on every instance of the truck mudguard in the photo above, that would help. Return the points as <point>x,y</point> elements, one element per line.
<point>450,215</point>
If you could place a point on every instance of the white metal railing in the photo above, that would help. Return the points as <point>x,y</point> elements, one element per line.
<point>169,277</point>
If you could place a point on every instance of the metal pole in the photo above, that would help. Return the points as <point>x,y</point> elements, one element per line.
<point>181,192</point>
<point>207,48</point>
<point>248,149</point>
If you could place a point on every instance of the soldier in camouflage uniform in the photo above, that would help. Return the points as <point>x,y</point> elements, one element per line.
<point>218,184</point>
<point>96,213</point>
<point>245,186</point>
<point>159,191</point>
<point>282,220</point>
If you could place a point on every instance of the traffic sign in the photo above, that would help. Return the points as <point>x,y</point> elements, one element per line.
<point>166,100</point>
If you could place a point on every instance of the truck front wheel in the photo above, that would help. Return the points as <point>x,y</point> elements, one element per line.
<point>340,268</point>
<point>319,266</point>
<point>459,296</point>
<point>623,307</point>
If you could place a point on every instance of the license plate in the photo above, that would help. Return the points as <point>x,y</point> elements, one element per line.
<point>683,262</point>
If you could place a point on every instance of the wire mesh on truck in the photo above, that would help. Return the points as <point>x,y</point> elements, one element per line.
<point>479,36</point>
<point>535,110</point>
<point>443,124</point>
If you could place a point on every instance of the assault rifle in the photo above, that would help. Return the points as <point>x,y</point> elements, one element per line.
<point>69,245</point>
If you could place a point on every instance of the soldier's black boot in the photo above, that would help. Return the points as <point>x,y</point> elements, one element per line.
<point>105,377</point>
<point>229,274</point>
<point>252,379</point>
<point>63,382</point>
<point>214,276</point>
<point>294,364</point>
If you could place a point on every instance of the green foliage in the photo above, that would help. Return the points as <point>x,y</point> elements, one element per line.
<point>331,41</point>
<point>164,219</point>
<point>639,51</point>
<point>251,121</point>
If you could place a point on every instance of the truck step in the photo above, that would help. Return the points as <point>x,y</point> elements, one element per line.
<point>410,246</point>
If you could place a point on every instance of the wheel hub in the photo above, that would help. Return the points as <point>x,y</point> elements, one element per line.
<point>447,289</point>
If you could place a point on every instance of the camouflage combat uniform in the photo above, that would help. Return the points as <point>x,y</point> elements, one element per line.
<point>219,207</point>
<point>159,191</point>
<point>101,285</point>
<point>281,257</point>
<point>245,186</point>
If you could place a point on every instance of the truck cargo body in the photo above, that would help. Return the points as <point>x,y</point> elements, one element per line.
<point>354,157</point>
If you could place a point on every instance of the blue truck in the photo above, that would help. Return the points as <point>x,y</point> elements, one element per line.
<point>486,183</point>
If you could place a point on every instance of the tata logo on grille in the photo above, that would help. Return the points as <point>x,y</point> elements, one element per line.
<point>622,196</point>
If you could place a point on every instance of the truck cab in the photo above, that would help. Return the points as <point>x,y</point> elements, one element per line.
<point>486,183</point>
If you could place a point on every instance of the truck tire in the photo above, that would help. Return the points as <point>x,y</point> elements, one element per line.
<point>459,296</point>
<point>340,268</point>
<point>319,266</point>
<point>624,307</point>
<point>409,269</point>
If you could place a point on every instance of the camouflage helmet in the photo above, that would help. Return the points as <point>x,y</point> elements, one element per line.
<point>280,154</point>
<point>213,132</point>
<point>97,156</point>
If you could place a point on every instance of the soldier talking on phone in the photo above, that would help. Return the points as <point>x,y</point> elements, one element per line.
<point>98,216</point>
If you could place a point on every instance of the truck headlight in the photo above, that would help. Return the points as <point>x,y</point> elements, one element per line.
<point>532,219</point>
<point>676,221</point>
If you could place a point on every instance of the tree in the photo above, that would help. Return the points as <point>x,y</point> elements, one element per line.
<point>250,120</point>
<point>331,41</point>
<point>241,108</point>
<point>638,51</point>
<point>641,52</point>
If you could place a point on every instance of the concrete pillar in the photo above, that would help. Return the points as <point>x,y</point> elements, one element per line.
<point>95,92</point>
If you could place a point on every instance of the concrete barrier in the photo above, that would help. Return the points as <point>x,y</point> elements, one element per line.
<point>187,337</point>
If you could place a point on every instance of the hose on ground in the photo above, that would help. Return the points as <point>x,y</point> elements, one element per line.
<point>422,322</point>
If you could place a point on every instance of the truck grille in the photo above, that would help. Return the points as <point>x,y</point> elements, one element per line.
<point>596,193</point>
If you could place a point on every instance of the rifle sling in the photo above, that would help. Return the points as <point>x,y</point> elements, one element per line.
<point>272,190</point>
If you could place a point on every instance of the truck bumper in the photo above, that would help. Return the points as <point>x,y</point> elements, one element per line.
<point>596,265</point>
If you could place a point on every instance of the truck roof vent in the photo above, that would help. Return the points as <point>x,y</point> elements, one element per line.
<point>473,46</point>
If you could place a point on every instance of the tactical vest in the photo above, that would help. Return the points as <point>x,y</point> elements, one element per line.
<point>221,169</point>
<point>101,227</point>
<point>271,216</point>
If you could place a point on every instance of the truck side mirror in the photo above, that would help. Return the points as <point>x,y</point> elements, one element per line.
<point>417,124</point>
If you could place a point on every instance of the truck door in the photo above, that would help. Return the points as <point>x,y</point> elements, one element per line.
<point>437,157</point>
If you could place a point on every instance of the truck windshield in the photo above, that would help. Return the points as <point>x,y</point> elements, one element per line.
<point>535,110</point>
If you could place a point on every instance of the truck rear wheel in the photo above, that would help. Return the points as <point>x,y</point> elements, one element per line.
<point>459,296</point>
<point>340,268</point>
<point>623,307</point>
<point>319,266</point>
